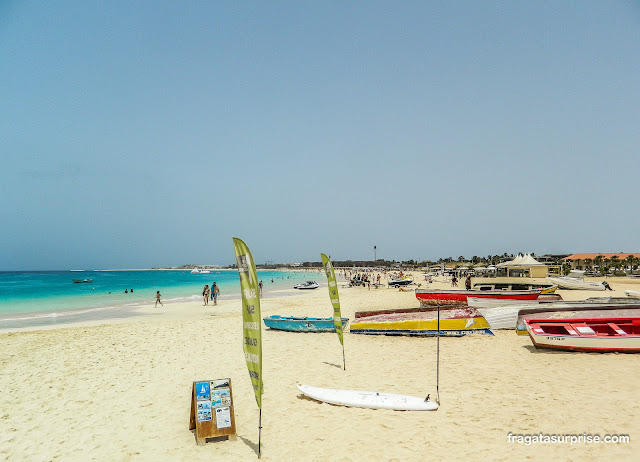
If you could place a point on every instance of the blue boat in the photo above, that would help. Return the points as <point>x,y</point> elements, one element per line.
<point>294,324</point>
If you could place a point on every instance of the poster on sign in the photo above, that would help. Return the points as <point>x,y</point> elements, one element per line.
<point>209,397</point>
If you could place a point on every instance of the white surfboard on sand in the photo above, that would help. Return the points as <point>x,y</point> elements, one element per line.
<point>368,399</point>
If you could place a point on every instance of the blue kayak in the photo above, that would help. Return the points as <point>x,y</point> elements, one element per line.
<point>294,324</point>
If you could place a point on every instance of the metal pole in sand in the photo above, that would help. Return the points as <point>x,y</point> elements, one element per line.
<point>259,432</point>
<point>344,363</point>
<point>438,360</point>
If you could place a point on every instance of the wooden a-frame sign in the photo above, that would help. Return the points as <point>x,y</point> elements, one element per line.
<point>212,410</point>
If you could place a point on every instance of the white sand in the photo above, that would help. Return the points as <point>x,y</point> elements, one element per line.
<point>122,391</point>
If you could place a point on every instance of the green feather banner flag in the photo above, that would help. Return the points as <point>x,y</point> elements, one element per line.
<point>251,322</point>
<point>335,300</point>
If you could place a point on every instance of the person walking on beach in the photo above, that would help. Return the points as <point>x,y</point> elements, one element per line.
<point>260,287</point>
<point>467,283</point>
<point>158,299</point>
<point>205,293</point>
<point>216,292</point>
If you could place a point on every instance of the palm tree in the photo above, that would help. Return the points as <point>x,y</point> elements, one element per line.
<point>598,262</point>
<point>629,262</point>
<point>588,263</point>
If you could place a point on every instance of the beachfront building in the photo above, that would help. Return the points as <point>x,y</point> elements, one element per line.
<point>522,266</point>
<point>595,261</point>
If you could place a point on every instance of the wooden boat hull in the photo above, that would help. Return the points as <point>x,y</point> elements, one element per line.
<point>456,322</point>
<point>632,294</point>
<point>368,399</point>
<point>586,334</point>
<point>575,284</point>
<point>455,297</point>
<point>574,310</point>
<point>300,324</point>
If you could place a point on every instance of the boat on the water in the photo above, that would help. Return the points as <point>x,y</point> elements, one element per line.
<point>575,281</point>
<point>455,321</point>
<point>429,297</point>
<point>302,324</point>
<point>78,281</point>
<point>307,285</point>
<point>400,281</point>
<point>632,293</point>
<point>589,308</point>
<point>368,399</point>
<point>586,334</point>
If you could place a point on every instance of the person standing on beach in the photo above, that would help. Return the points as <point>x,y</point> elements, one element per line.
<point>205,293</point>
<point>260,287</point>
<point>216,292</point>
<point>467,283</point>
<point>158,299</point>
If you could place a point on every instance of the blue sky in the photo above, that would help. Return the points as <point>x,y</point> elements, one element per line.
<point>139,134</point>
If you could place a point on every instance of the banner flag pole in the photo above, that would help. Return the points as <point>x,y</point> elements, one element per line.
<point>438,360</point>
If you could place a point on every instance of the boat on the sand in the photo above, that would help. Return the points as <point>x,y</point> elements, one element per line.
<point>302,324</point>
<point>307,285</point>
<point>632,293</point>
<point>455,321</point>
<point>608,334</point>
<point>575,281</point>
<point>428,297</point>
<point>400,281</point>
<point>589,308</point>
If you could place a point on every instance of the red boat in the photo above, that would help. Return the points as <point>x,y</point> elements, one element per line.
<point>587,334</point>
<point>428,297</point>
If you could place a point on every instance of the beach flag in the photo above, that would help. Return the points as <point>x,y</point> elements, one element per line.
<point>251,321</point>
<point>335,300</point>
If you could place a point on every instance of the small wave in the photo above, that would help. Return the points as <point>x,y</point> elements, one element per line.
<point>62,314</point>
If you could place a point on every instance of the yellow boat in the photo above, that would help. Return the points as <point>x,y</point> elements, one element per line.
<point>455,321</point>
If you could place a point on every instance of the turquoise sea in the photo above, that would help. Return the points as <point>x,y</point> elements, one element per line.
<point>38,298</point>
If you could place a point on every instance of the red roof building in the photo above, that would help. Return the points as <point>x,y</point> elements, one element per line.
<point>592,256</point>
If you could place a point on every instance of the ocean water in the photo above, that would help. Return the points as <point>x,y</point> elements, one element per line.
<point>37,298</point>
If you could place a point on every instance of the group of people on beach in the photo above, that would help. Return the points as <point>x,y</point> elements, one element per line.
<point>210,293</point>
<point>364,279</point>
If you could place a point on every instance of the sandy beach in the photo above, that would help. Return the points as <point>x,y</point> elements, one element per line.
<point>121,391</point>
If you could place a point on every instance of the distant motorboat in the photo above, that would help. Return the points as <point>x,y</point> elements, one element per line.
<point>401,281</point>
<point>77,281</point>
<point>307,285</point>
<point>204,271</point>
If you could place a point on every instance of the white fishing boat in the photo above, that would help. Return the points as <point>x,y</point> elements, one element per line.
<point>478,302</point>
<point>575,281</point>
<point>369,399</point>
<point>589,308</point>
<point>632,293</point>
